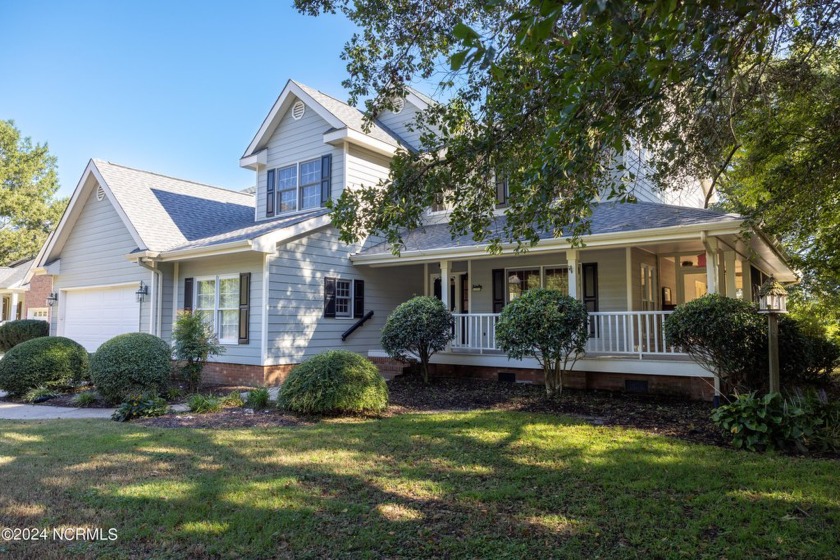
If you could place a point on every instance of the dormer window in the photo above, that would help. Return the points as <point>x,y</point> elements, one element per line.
<point>300,186</point>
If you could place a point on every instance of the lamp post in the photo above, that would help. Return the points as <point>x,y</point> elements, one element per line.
<point>773,302</point>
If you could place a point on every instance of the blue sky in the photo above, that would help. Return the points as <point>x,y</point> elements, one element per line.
<point>175,87</point>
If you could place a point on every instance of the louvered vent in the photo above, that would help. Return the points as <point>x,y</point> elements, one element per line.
<point>297,110</point>
<point>100,193</point>
<point>399,104</point>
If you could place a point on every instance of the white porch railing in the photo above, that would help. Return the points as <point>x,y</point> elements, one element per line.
<point>618,332</point>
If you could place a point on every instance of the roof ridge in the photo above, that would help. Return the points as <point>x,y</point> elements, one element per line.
<point>677,206</point>
<point>327,95</point>
<point>174,178</point>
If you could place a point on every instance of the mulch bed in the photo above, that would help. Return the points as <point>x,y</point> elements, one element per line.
<point>230,418</point>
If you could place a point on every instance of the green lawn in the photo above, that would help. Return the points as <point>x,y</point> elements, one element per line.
<point>461,485</point>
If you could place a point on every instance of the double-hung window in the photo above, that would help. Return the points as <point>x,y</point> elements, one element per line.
<point>344,297</point>
<point>300,186</point>
<point>222,301</point>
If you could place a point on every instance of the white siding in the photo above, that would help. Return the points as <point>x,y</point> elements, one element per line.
<point>94,254</point>
<point>232,264</point>
<point>294,141</point>
<point>401,124</point>
<point>168,285</point>
<point>296,326</point>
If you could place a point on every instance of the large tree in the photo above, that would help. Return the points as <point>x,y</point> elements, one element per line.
<point>28,183</point>
<point>548,94</point>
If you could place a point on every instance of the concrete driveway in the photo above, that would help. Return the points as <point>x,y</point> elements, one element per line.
<point>16,411</point>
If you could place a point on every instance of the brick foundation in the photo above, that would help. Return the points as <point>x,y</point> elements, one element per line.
<point>388,367</point>
<point>248,375</point>
<point>40,287</point>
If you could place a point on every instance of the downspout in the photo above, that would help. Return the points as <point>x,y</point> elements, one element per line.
<point>157,297</point>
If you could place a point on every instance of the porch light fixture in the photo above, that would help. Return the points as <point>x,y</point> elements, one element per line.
<point>476,287</point>
<point>142,292</point>
<point>772,302</point>
<point>52,299</point>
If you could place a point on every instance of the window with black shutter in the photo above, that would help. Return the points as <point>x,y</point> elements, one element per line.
<point>269,193</point>
<point>329,297</point>
<point>326,178</point>
<point>188,294</point>
<point>499,286</point>
<point>244,307</point>
<point>358,299</point>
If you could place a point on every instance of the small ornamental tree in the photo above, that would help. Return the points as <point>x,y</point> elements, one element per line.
<point>192,344</point>
<point>551,327</point>
<point>416,330</point>
<point>724,335</point>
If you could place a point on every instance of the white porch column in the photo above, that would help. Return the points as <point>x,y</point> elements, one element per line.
<point>572,260</point>
<point>712,273</point>
<point>746,279</point>
<point>729,272</point>
<point>13,311</point>
<point>444,283</point>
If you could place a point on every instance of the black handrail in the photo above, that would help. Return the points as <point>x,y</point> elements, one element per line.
<point>356,325</point>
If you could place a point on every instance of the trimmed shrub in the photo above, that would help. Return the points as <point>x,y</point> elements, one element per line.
<point>193,342</point>
<point>52,361</point>
<point>15,332</point>
<point>416,329</point>
<point>257,399</point>
<point>202,404</point>
<point>334,382</point>
<point>131,364</point>
<point>551,327</point>
<point>145,406</point>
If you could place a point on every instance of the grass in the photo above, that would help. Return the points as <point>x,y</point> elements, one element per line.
<point>460,485</point>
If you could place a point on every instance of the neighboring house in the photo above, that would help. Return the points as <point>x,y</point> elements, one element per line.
<point>13,291</point>
<point>270,273</point>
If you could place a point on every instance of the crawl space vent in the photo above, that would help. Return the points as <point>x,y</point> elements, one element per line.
<point>297,110</point>
<point>507,377</point>
<point>635,386</point>
<point>100,193</point>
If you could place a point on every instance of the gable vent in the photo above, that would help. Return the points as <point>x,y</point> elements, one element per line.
<point>100,193</point>
<point>298,110</point>
<point>399,104</point>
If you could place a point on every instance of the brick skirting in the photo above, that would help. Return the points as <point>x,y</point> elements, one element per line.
<point>238,374</point>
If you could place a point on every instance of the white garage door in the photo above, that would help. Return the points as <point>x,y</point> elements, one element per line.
<point>93,316</point>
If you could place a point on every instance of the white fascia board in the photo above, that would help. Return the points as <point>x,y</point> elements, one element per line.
<point>337,137</point>
<point>268,243</point>
<point>255,161</point>
<point>416,100</point>
<point>74,209</point>
<point>284,101</point>
<point>199,252</point>
<point>598,241</point>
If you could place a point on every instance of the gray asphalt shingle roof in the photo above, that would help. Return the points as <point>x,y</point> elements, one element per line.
<point>610,217</point>
<point>11,276</point>
<point>173,214</point>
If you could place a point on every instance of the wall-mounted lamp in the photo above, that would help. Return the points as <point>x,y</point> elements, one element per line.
<point>476,287</point>
<point>142,292</point>
<point>52,299</point>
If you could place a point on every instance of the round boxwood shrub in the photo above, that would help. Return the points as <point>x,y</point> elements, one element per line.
<point>52,361</point>
<point>334,382</point>
<point>15,332</point>
<point>131,364</point>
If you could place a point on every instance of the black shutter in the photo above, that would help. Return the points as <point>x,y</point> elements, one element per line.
<point>269,193</point>
<point>188,294</point>
<point>326,179</point>
<point>329,297</point>
<point>358,299</point>
<point>501,191</point>
<point>244,307</point>
<point>498,290</point>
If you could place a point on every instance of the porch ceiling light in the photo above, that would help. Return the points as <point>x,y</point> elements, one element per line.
<point>772,297</point>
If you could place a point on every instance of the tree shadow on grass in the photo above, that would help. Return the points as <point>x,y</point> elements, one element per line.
<point>458,485</point>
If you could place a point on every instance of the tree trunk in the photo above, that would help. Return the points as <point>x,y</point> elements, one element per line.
<point>424,366</point>
<point>553,380</point>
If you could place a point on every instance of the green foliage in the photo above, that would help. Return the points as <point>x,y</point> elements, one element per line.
<point>52,361</point>
<point>173,393</point>
<point>546,325</point>
<point>202,404</point>
<point>39,394</point>
<point>416,330</point>
<point>142,406</point>
<point>545,93</point>
<point>13,333</point>
<point>232,400</point>
<point>84,400</point>
<point>257,399</point>
<point>131,364</point>
<point>193,343</point>
<point>728,337</point>
<point>28,183</point>
<point>334,382</point>
<point>798,422</point>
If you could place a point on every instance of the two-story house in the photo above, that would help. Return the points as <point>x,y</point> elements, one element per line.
<point>277,285</point>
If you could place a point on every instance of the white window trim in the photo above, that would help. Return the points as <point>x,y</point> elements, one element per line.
<point>298,186</point>
<point>350,298</point>
<point>216,310</point>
